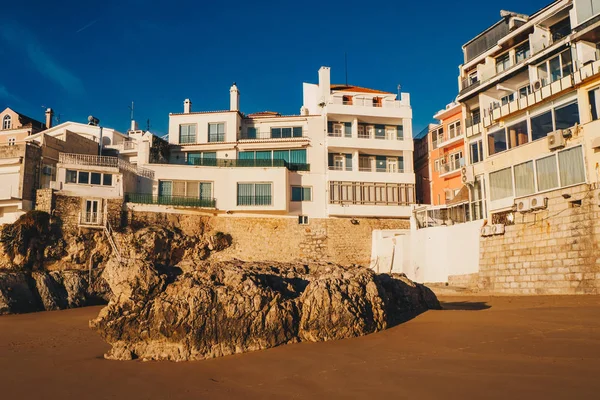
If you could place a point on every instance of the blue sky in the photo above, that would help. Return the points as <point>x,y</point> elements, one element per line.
<point>95,57</point>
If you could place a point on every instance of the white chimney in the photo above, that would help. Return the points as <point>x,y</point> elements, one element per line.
<point>134,125</point>
<point>324,83</point>
<point>187,106</point>
<point>234,98</point>
<point>49,115</point>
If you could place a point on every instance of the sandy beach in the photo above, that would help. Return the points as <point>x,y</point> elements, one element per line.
<point>478,347</point>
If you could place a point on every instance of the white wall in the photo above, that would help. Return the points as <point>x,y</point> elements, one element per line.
<point>429,255</point>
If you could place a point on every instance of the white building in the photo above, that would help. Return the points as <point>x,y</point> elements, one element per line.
<point>348,153</point>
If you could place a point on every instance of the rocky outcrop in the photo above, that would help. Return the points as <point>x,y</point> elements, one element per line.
<point>22,291</point>
<point>226,308</point>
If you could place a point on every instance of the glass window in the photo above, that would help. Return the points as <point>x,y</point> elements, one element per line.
<point>379,131</point>
<point>298,156</point>
<point>107,179</point>
<point>165,188</point>
<point>524,91</point>
<point>547,173</point>
<point>301,193</point>
<point>542,72</point>
<point>524,179</point>
<point>96,178</point>
<point>281,155</point>
<point>216,132</point>
<point>206,190</point>
<point>501,184</point>
<point>502,63</point>
<point>566,116</point>
<point>71,176</point>
<point>187,133</point>
<point>567,63</point>
<point>6,122</point>
<point>541,125</point>
<point>518,134</point>
<point>275,132</point>
<point>497,142</point>
<point>297,131</point>
<point>476,152</point>
<point>400,132</point>
<point>555,70</point>
<point>286,132</point>
<point>572,170</point>
<point>594,98</point>
<point>251,132</point>
<point>84,177</point>
<point>522,52</point>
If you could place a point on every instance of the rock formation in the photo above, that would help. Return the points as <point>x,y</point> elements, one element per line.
<point>218,309</point>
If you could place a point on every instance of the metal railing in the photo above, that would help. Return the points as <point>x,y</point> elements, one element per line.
<point>90,218</point>
<point>216,137</point>
<point>170,200</point>
<point>104,161</point>
<point>254,200</point>
<point>339,168</point>
<point>452,166</point>
<point>385,170</point>
<point>268,135</point>
<point>250,163</point>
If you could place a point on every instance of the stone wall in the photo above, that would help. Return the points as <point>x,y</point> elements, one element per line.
<point>337,240</point>
<point>68,208</point>
<point>554,251</point>
<point>44,200</point>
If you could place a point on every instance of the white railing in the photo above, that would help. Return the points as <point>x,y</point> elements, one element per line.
<point>108,231</point>
<point>90,218</point>
<point>129,145</point>
<point>104,161</point>
<point>368,102</point>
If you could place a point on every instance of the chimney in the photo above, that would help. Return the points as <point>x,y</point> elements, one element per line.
<point>134,125</point>
<point>324,83</point>
<point>234,98</point>
<point>49,116</point>
<point>187,106</point>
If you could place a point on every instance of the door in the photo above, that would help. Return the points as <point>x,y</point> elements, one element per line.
<point>338,163</point>
<point>92,212</point>
<point>392,165</point>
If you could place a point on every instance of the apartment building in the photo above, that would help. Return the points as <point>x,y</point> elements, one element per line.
<point>347,154</point>
<point>16,127</point>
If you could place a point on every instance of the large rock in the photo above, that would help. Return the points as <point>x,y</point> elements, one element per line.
<point>16,294</point>
<point>221,309</point>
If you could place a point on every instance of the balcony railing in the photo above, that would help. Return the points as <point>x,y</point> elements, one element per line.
<point>265,200</point>
<point>339,168</point>
<point>385,170</point>
<point>104,161</point>
<point>268,135</point>
<point>170,200</point>
<point>251,163</point>
<point>452,166</point>
<point>368,102</point>
<point>90,219</point>
<point>368,135</point>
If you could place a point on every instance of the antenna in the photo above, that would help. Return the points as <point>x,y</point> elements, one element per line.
<point>399,88</point>
<point>131,108</point>
<point>148,125</point>
<point>346,66</point>
<point>57,118</point>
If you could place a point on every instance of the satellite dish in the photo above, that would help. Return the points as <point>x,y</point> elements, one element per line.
<point>93,120</point>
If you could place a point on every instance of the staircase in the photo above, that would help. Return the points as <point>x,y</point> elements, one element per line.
<point>109,232</point>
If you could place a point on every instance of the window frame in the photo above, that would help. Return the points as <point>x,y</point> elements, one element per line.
<point>218,134</point>
<point>302,193</point>
<point>187,134</point>
<point>6,122</point>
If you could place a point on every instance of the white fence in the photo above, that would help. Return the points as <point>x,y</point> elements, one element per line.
<point>428,255</point>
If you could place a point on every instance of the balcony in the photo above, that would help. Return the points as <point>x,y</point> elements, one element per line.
<point>452,167</point>
<point>104,161</point>
<point>377,106</point>
<point>91,220</point>
<point>384,170</point>
<point>292,134</point>
<point>169,200</point>
<point>250,163</point>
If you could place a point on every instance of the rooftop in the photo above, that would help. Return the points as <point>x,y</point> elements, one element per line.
<point>352,88</point>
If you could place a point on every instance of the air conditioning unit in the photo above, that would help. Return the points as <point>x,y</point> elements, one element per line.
<point>538,202</point>
<point>487,230</point>
<point>523,205</point>
<point>498,229</point>
<point>556,140</point>
<point>467,175</point>
<point>537,85</point>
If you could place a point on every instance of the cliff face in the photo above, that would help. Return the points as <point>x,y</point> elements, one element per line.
<point>218,309</point>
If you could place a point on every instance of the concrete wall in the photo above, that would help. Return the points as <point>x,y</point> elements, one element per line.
<point>283,239</point>
<point>553,251</point>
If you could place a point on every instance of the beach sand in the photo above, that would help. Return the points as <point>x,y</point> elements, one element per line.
<point>479,347</point>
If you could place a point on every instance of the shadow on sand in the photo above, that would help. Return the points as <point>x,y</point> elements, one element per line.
<point>465,305</point>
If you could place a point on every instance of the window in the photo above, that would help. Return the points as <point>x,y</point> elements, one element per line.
<point>303,219</point>
<point>206,158</point>
<point>555,68</point>
<point>301,193</point>
<point>561,29</point>
<point>288,132</point>
<point>379,131</point>
<point>522,52</point>
<point>92,214</point>
<point>71,176</point>
<point>436,166</point>
<point>502,63</point>
<point>570,164</point>
<point>476,150</point>
<point>12,141</point>
<point>107,179</point>
<point>437,136</point>
<point>518,134</point>
<point>524,179</point>
<point>541,125</point>
<point>586,9</point>
<point>216,132</point>
<point>507,99</point>
<point>454,130</point>
<point>399,132</point>
<point>594,98</point>
<point>83,177</point>
<point>566,116</point>
<point>347,100</point>
<point>477,197</point>
<point>476,116</point>
<point>456,161</point>
<point>297,131</point>
<point>473,79</point>
<point>251,132</point>
<point>524,91</point>
<point>340,162</point>
<point>497,142</point>
<point>187,133</point>
<point>96,178</point>
<point>547,173</point>
<point>254,194</point>
<point>6,122</point>
<point>501,184</point>
<point>369,193</point>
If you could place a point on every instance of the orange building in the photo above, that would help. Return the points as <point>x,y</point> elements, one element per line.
<point>447,156</point>
<point>16,127</point>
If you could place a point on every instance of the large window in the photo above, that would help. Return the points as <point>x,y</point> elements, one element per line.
<point>187,133</point>
<point>594,98</point>
<point>541,125</point>
<point>297,156</point>
<point>88,178</point>
<point>301,193</point>
<point>566,116</point>
<point>547,173</point>
<point>586,9</point>
<point>216,132</point>
<point>286,132</point>
<point>6,122</point>
<point>454,130</point>
<point>476,151</point>
<point>477,198</point>
<point>524,179</point>
<point>501,184</point>
<point>254,194</point>
<point>502,63</point>
<point>202,158</point>
<point>522,52</point>
<point>186,189</point>
<point>570,163</point>
<point>369,193</point>
<point>555,68</point>
<point>497,142</point>
<point>518,134</point>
